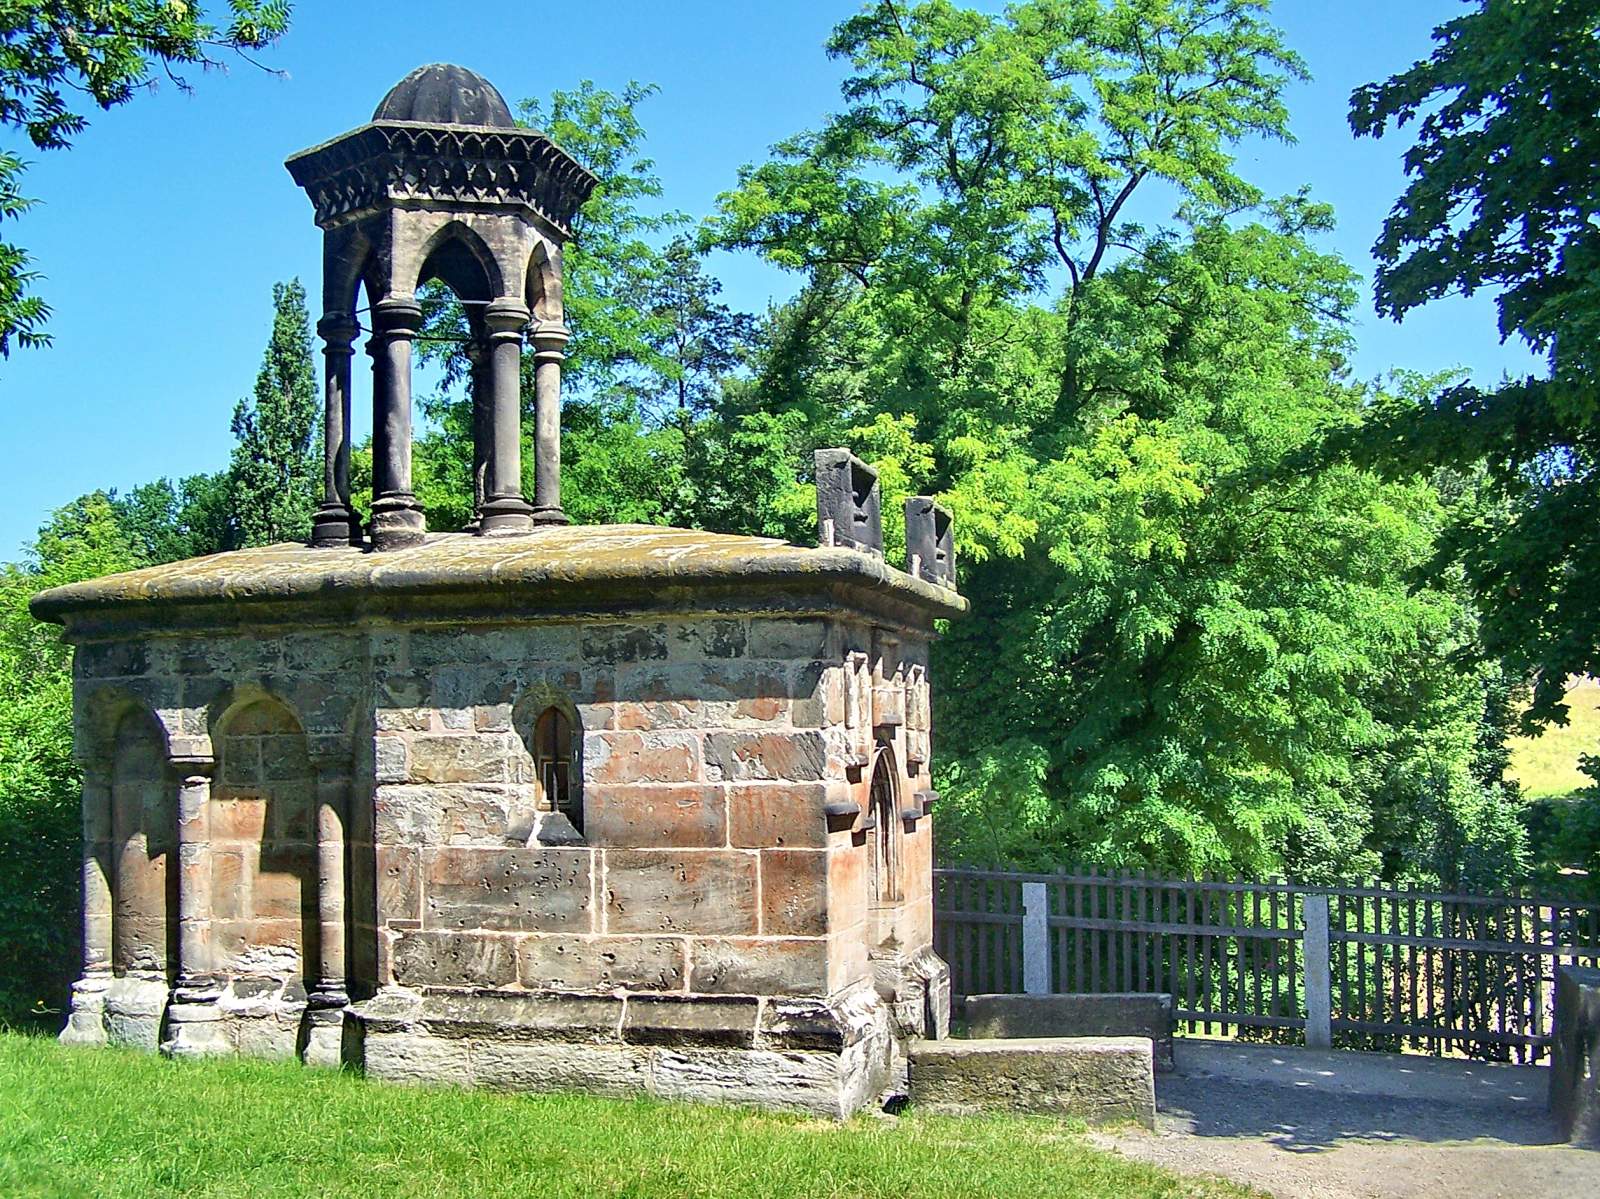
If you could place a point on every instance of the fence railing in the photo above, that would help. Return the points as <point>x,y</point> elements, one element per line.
<point>1358,967</point>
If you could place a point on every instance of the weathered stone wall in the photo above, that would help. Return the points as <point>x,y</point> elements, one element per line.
<point>709,751</point>
<point>730,863</point>
<point>263,855</point>
<point>263,847</point>
<point>144,827</point>
<point>1575,1055</point>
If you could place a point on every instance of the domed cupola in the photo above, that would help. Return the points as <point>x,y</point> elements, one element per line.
<point>443,185</point>
<point>442,93</point>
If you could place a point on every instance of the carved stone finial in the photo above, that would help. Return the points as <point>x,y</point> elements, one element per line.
<point>930,542</point>
<point>848,512</point>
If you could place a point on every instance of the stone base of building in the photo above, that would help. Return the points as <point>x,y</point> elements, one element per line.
<point>133,1013</point>
<point>827,1057</point>
<point>917,988</point>
<point>250,1017</point>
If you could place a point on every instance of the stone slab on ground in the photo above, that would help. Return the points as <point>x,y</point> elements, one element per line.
<point>1317,1124</point>
<point>1575,1056</point>
<point>1101,1080</point>
<point>1110,1015</point>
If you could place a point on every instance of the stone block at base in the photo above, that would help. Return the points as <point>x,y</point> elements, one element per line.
<point>828,1058</point>
<point>1100,1080</point>
<point>1108,1015</point>
<point>1575,1056</point>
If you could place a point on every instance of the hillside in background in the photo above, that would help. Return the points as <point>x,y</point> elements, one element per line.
<point>1547,765</point>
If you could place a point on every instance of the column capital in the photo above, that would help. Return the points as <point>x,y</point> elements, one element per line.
<point>505,317</point>
<point>191,757</point>
<point>398,316</point>
<point>339,330</point>
<point>549,340</point>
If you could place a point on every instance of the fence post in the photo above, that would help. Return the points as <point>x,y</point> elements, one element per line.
<point>1035,939</point>
<point>1318,968</point>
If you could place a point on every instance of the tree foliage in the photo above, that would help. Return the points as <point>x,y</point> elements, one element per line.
<point>645,433</point>
<point>276,470</point>
<point>1186,650</point>
<point>1504,193</point>
<point>54,51</point>
<point>1035,283</point>
<point>39,814</point>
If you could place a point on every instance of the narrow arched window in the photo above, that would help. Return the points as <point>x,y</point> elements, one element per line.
<point>885,815</point>
<point>552,761</point>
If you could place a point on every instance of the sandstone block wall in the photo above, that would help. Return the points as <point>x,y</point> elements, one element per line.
<point>728,851</point>
<point>708,754</point>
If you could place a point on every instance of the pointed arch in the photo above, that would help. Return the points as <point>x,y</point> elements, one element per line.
<point>542,288</point>
<point>883,806</point>
<point>459,258</point>
<point>349,263</point>
<point>144,848</point>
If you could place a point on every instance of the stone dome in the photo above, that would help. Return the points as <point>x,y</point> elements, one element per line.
<point>445,94</point>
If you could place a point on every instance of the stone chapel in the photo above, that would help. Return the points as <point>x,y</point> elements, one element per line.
<point>535,805</point>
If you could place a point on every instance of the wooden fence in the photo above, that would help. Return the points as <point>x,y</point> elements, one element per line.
<point>1356,967</point>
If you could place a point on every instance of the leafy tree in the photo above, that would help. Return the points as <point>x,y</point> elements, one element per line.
<point>105,51</point>
<point>695,341</point>
<point>275,473</point>
<point>167,522</point>
<point>39,780</point>
<point>652,349</point>
<point>1503,193</point>
<point>1187,649</point>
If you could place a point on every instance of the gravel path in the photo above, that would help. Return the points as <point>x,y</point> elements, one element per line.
<point>1302,1124</point>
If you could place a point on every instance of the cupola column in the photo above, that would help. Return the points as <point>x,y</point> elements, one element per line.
<point>335,520</point>
<point>397,518</point>
<point>549,351</point>
<point>482,422</point>
<point>504,509</point>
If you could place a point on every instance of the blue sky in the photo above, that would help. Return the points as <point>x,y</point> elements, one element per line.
<point>162,232</point>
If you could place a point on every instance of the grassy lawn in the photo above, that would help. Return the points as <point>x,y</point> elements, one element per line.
<point>112,1122</point>
<point>1547,765</point>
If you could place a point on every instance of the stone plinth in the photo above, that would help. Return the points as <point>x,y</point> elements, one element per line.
<point>1101,1080</point>
<point>1575,1055</point>
<point>623,807</point>
<point>1130,1014</point>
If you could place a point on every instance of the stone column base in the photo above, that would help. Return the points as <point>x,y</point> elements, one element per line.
<point>397,521</point>
<point>86,1021</point>
<point>505,516</point>
<point>194,1024</point>
<point>335,524</point>
<point>826,1057</point>
<point>134,1009</point>
<point>324,1042</point>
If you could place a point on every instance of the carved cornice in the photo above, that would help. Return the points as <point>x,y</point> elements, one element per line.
<point>393,162</point>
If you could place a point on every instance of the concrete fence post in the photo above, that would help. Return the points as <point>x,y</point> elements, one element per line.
<point>1318,965</point>
<point>1035,939</point>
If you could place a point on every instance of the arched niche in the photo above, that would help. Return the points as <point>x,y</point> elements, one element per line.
<point>263,832</point>
<point>144,844</point>
<point>883,837</point>
<point>552,771</point>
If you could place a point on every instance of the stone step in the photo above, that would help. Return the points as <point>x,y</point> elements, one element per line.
<point>1100,1080</point>
<point>1076,1015</point>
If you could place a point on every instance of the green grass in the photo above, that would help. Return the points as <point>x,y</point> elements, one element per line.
<point>1547,765</point>
<point>113,1122</point>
